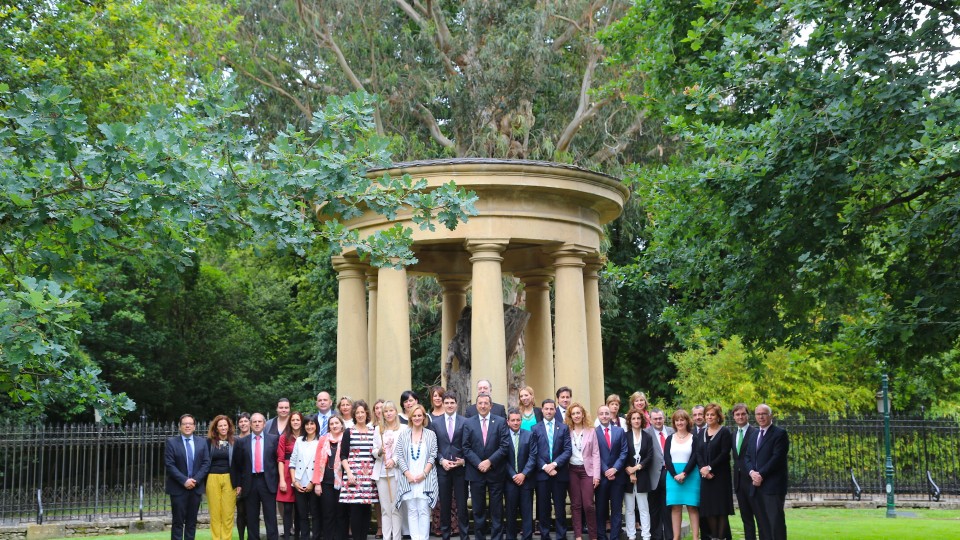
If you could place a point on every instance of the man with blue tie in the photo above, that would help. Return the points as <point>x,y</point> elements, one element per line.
<point>552,440</point>
<point>451,476</point>
<point>486,446</point>
<point>324,412</point>
<point>255,464</point>
<point>521,464</point>
<point>187,463</point>
<point>612,441</point>
<point>766,460</point>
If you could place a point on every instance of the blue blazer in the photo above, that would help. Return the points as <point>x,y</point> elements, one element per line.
<point>526,459</point>
<point>562,449</point>
<point>614,457</point>
<point>769,459</point>
<point>175,462</point>
<point>496,449</point>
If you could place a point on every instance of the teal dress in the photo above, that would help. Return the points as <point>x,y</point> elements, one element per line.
<point>527,422</point>
<point>682,457</point>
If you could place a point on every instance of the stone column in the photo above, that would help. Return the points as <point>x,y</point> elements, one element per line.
<point>591,297</point>
<point>538,336</point>
<point>454,300</point>
<point>488,342</point>
<point>352,357</point>
<point>372,273</point>
<point>393,334</point>
<point>571,354</point>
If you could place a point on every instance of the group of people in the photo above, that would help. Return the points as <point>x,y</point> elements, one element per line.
<point>326,472</point>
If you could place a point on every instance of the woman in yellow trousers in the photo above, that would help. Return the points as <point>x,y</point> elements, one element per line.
<point>220,493</point>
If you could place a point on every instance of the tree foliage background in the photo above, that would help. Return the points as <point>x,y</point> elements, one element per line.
<point>794,166</point>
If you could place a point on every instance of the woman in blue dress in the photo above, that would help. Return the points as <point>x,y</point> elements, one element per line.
<point>683,481</point>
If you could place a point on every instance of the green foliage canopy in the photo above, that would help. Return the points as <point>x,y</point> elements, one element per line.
<point>814,190</point>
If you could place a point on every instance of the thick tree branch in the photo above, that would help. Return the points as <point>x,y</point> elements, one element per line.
<point>574,27</point>
<point>585,109</point>
<point>428,119</point>
<point>623,140</point>
<point>442,37</point>
<point>909,197</point>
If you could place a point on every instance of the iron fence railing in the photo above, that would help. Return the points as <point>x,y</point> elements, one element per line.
<point>94,471</point>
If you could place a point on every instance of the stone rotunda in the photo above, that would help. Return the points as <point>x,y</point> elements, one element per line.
<point>540,222</point>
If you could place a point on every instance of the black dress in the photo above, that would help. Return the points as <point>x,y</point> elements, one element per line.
<point>716,494</point>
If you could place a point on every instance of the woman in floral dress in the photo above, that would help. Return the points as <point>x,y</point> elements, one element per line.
<point>359,489</point>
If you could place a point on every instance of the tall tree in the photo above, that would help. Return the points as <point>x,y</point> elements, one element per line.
<point>815,191</point>
<point>475,78</point>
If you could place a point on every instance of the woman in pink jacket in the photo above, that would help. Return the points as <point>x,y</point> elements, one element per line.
<point>584,469</point>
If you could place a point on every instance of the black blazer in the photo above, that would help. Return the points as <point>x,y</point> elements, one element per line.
<point>694,457</point>
<point>495,409</point>
<point>243,462</point>
<point>740,471</point>
<point>526,458</point>
<point>447,449</point>
<point>175,462</point>
<point>562,449</point>
<point>646,459</point>
<point>770,460</point>
<point>496,449</point>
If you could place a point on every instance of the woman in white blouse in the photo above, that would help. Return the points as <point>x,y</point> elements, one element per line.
<point>385,470</point>
<point>301,473</point>
<point>584,470</point>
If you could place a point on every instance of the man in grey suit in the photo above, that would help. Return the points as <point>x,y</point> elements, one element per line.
<point>187,462</point>
<point>661,527</point>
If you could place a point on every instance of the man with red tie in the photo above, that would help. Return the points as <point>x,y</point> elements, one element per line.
<point>255,464</point>
<point>486,445</point>
<point>661,527</point>
<point>612,441</point>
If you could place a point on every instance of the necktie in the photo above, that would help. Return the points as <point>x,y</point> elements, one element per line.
<point>323,427</point>
<point>450,427</point>
<point>483,428</point>
<point>550,438</point>
<point>188,442</point>
<point>258,456</point>
<point>516,451</point>
<point>606,433</point>
<point>663,442</point>
<point>739,439</point>
<point>760,438</point>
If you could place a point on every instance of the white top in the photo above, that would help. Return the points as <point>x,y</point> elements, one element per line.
<point>301,460</point>
<point>383,445</point>
<point>680,451</point>
<point>416,463</point>
<point>576,446</point>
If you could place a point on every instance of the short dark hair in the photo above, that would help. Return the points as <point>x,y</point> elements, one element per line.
<point>739,406</point>
<point>283,400</point>
<point>188,415</point>
<point>485,395</point>
<point>548,400</point>
<point>450,394</point>
<point>513,410</point>
<point>407,394</point>
<point>563,389</point>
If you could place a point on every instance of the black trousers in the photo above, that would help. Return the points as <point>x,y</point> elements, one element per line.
<point>185,508</point>
<point>552,495</point>
<point>478,495</point>
<point>359,519</point>
<point>308,512</point>
<point>261,498</point>
<point>746,510</point>
<point>661,524</point>
<point>453,487</point>
<point>771,521</point>
<point>335,514</point>
<point>519,504</point>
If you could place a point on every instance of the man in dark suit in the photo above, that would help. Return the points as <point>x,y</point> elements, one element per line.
<point>484,387</point>
<point>552,439</point>
<point>612,441</point>
<point>486,446</point>
<point>766,460</point>
<point>255,464</point>
<point>187,462</point>
<point>451,474</point>
<point>741,474</point>
<point>661,528</point>
<point>521,464</point>
<point>564,399</point>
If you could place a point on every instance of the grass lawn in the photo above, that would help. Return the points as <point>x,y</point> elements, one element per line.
<point>802,524</point>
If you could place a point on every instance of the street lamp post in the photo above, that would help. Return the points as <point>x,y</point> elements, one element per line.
<point>883,405</point>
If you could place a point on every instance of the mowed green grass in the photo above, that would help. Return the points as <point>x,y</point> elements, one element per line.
<point>802,524</point>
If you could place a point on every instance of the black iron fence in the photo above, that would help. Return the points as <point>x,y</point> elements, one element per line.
<point>92,471</point>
